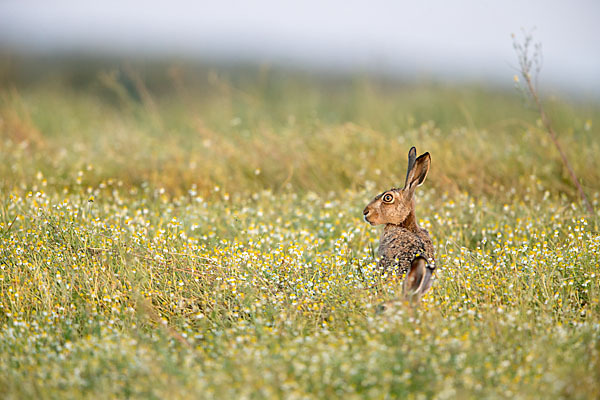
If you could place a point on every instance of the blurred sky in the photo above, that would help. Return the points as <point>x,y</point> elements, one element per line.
<point>456,40</point>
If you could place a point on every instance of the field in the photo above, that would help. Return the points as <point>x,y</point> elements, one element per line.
<point>183,233</point>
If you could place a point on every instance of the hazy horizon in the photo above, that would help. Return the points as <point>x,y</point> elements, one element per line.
<point>464,40</point>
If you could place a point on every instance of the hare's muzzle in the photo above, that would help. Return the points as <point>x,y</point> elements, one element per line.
<point>366,213</point>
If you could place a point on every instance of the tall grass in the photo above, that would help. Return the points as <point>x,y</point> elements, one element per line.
<point>273,133</point>
<point>206,241</point>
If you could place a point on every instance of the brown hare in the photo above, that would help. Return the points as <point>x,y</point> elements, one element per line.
<point>404,247</point>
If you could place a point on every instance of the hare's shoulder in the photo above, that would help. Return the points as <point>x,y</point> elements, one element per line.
<point>399,246</point>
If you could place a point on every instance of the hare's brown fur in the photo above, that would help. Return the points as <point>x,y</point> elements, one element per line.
<point>402,239</point>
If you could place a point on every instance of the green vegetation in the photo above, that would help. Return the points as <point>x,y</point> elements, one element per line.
<point>200,236</point>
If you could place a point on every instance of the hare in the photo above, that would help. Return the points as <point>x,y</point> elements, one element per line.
<point>404,246</point>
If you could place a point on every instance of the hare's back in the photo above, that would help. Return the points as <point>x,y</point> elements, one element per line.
<point>426,239</point>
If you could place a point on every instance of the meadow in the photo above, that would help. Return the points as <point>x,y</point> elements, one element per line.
<point>182,233</point>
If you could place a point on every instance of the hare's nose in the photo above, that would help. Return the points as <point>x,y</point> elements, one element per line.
<point>365,212</point>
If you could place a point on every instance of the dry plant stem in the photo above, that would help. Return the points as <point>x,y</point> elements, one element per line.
<point>552,133</point>
<point>154,316</point>
<point>11,225</point>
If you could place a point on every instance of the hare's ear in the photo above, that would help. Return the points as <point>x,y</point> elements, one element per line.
<point>418,278</point>
<point>417,174</point>
<point>412,157</point>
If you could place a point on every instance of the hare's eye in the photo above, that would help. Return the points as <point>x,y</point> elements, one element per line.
<point>388,198</point>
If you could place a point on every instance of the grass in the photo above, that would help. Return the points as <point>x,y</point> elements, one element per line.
<point>206,240</point>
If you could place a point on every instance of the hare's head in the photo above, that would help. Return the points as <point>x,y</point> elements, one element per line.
<point>395,205</point>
